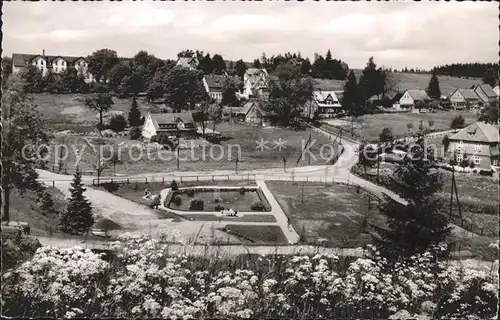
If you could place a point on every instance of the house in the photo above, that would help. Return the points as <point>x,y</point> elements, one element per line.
<point>250,113</point>
<point>462,98</point>
<point>165,125</point>
<point>478,143</point>
<point>324,104</point>
<point>485,93</point>
<point>187,62</point>
<point>255,82</point>
<point>214,84</point>
<point>46,63</point>
<point>496,89</point>
<point>411,97</point>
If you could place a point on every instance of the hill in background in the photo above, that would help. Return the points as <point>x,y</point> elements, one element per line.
<point>406,81</point>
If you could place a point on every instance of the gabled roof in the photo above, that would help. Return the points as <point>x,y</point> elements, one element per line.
<point>487,89</point>
<point>246,108</point>
<point>418,94</point>
<point>320,95</point>
<point>171,118</point>
<point>496,89</point>
<point>397,96</point>
<point>254,71</point>
<point>478,132</point>
<point>186,61</point>
<point>215,81</point>
<point>468,94</point>
<point>21,59</point>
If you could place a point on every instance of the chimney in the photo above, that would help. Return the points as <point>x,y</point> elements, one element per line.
<point>43,52</point>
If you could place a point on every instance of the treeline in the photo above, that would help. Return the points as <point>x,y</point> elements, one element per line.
<point>468,70</point>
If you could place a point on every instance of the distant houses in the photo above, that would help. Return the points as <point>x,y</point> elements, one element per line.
<point>485,93</point>
<point>187,62</point>
<point>213,86</point>
<point>464,98</point>
<point>251,113</point>
<point>411,97</point>
<point>164,125</point>
<point>255,82</point>
<point>46,63</point>
<point>477,143</point>
<point>323,105</point>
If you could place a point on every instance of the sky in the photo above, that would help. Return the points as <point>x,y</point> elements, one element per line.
<point>396,34</point>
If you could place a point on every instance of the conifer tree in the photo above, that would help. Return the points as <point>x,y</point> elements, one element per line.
<point>350,101</point>
<point>433,90</point>
<point>77,218</point>
<point>134,116</point>
<point>421,223</point>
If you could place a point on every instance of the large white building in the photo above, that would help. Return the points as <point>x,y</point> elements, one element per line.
<point>56,64</point>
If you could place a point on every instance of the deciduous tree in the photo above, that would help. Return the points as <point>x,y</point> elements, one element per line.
<point>183,89</point>
<point>100,102</point>
<point>101,62</point>
<point>219,64</point>
<point>241,68</point>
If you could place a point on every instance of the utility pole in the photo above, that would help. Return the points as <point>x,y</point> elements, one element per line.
<point>340,140</point>
<point>237,160</point>
<point>308,154</point>
<point>284,164</point>
<point>454,189</point>
<point>178,147</point>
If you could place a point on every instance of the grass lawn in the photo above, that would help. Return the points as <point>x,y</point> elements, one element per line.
<point>245,218</point>
<point>257,233</point>
<point>370,126</point>
<point>334,213</point>
<point>242,139</point>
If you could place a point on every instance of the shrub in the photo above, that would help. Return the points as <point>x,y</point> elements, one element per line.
<point>217,200</point>
<point>242,190</point>
<point>258,206</point>
<point>196,205</point>
<point>190,192</point>
<point>117,123</point>
<point>135,133</point>
<point>177,200</point>
<point>219,207</point>
<point>458,122</point>
<point>174,186</point>
<point>110,186</point>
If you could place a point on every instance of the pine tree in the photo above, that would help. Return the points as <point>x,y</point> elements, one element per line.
<point>489,77</point>
<point>414,227</point>
<point>350,101</point>
<point>78,217</point>
<point>433,89</point>
<point>134,115</point>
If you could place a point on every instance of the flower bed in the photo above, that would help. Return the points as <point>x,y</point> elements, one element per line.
<point>143,281</point>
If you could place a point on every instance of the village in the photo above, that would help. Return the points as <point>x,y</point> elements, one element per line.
<point>239,187</point>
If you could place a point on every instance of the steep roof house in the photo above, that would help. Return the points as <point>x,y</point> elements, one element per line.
<point>213,85</point>
<point>496,89</point>
<point>255,82</point>
<point>251,113</point>
<point>169,124</point>
<point>324,104</point>
<point>478,143</point>
<point>461,98</point>
<point>187,62</point>
<point>485,93</point>
<point>410,98</point>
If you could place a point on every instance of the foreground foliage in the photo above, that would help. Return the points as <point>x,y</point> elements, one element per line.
<point>142,280</point>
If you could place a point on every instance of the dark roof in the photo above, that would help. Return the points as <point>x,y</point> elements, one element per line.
<point>487,89</point>
<point>215,81</point>
<point>22,59</point>
<point>478,132</point>
<point>468,94</point>
<point>170,118</point>
<point>397,96</point>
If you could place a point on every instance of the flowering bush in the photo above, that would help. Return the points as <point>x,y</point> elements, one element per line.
<point>142,280</point>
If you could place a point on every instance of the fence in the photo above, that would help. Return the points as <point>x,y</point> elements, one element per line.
<point>163,179</point>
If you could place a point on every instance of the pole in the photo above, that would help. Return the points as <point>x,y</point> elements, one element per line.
<point>458,201</point>
<point>302,195</point>
<point>284,164</point>
<point>178,148</point>
<point>378,167</point>
<point>237,164</point>
<point>340,140</point>
<point>451,193</point>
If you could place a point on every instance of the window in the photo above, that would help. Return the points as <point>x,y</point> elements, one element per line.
<point>477,148</point>
<point>495,162</point>
<point>460,158</point>
<point>477,160</point>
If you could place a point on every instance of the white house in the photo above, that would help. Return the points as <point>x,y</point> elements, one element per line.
<point>325,104</point>
<point>213,85</point>
<point>462,98</point>
<point>56,64</point>
<point>255,82</point>
<point>169,124</point>
<point>410,98</point>
<point>187,62</point>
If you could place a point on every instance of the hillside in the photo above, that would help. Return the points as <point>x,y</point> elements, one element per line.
<point>407,81</point>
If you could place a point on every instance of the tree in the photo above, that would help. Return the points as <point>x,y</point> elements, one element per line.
<point>215,114</point>
<point>386,135</point>
<point>490,77</point>
<point>70,81</point>
<point>229,89</point>
<point>202,115</point>
<point>23,137</point>
<point>433,90</point>
<point>6,69</point>
<point>32,79</point>
<point>183,89</point>
<point>306,67</point>
<point>134,115</point>
<point>489,114</point>
<point>458,122</point>
<point>446,143</point>
<point>350,101</point>
<point>288,94</point>
<point>421,223</point>
<point>133,84</point>
<point>241,68</point>
<point>372,79</point>
<point>101,62</point>
<point>77,218</point>
<point>117,123</point>
<point>319,67</point>
<point>135,133</point>
<point>100,102</point>
<point>409,125</point>
<point>219,64</point>
<point>206,64</point>
<point>257,64</point>
<point>367,156</point>
<point>117,73</point>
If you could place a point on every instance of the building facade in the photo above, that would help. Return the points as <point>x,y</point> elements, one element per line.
<point>477,143</point>
<point>411,98</point>
<point>255,82</point>
<point>464,98</point>
<point>164,125</point>
<point>485,93</point>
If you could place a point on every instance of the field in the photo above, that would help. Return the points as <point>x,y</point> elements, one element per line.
<point>407,81</point>
<point>370,126</point>
<point>256,233</point>
<point>333,215</point>
<point>241,139</point>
